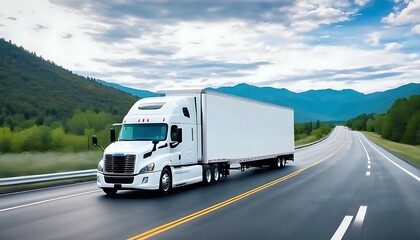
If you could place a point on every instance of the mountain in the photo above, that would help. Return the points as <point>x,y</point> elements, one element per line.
<point>34,88</point>
<point>136,92</point>
<point>325,105</point>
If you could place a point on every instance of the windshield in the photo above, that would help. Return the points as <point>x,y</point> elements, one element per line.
<point>143,132</point>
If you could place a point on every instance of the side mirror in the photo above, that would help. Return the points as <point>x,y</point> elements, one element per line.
<point>155,142</point>
<point>95,142</point>
<point>179,135</point>
<point>112,134</point>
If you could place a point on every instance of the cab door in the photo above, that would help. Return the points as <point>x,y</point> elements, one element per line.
<point>183,138</point>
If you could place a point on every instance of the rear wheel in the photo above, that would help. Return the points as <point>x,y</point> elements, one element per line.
<point>206,174</point>
<point>283,162</point>
<point>276,163</point>
<point>215,170</point>
<point>165,181</point>
<point>111,192</point>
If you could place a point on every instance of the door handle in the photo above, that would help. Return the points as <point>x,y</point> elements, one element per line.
<point>179,156</point>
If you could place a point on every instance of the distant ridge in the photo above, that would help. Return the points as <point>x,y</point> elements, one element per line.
<point>312,105</point>
<point>135,92</point>
<point>325,105</point>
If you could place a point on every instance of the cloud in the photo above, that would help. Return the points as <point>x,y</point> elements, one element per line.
<point>392,46</point>
<point>361,2</point>
<point>408,15</point>
<point>156,51</point>
<point>67,36</point>
<point>416,29</point>
<point>298,44</point>
<point>374,38</point>
<point>39,27</point>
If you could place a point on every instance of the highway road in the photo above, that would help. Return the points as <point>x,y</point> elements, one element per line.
<point>344,187</point>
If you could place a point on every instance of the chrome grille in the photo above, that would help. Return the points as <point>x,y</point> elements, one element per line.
<point>123,164</point>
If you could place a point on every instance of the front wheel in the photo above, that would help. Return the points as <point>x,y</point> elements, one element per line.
<point>165,185</point>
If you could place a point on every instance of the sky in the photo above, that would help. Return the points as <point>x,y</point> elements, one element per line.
<point>365,45</point>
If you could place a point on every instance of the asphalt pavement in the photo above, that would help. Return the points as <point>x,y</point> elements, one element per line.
<point>344,187</point>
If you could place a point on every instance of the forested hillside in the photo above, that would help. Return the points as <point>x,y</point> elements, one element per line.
<point>45,107</point>
<point>37,91</point>
<point>401,123</point>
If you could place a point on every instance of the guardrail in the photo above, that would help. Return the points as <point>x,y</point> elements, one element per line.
<point>46,177</point>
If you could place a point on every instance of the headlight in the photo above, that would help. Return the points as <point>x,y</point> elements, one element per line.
<point>100,168</point>
<point>148,168</point>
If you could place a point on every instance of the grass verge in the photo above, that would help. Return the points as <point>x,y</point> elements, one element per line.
<point>22,164</point>
<point>306,140</point>
<point>408,152</point>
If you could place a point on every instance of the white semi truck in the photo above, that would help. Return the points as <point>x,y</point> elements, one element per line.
<point>189,137</point>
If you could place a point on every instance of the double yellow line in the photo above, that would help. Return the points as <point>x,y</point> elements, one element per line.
<point>165,227</point>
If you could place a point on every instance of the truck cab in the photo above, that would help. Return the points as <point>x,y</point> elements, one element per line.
<point>157,147</point>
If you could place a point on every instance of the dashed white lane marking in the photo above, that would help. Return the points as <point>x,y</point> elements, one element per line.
<point>341,230</point>
<point>48,200</point>
<point>360,216</point>
<point>368,173</point>
<point>368,166</point>
<point>405,170</point>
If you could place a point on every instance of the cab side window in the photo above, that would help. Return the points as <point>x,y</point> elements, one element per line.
<point>174,129</point>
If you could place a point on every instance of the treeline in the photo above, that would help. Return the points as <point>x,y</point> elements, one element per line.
<point>400,124</point>
<point>34,91</point>
<point>71,135</point>
<point>303,130</point>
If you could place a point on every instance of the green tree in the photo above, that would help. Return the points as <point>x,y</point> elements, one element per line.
<point>412,131</point>
<point>370,125</point>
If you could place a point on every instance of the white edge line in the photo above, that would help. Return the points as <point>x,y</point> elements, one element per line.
<point>406,171</point>
<point>341,230</point>
<point>360,216</point>
<point>364,148</point>
<point>48,200</point>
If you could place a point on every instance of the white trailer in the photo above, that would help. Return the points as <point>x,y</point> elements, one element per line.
<point>188,137</point>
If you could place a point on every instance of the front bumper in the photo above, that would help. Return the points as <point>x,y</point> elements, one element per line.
<point>144,181</point>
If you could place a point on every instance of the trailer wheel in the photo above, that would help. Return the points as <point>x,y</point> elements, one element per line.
<point>215,170</point>
<point>277,163</point>
<point>110,192</point>
<point>165,185</point>
<point>207,174</point>
<point>283,162</point>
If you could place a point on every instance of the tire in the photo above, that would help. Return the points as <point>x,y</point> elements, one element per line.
<point>215,173</point>
<point>110,192</point>
<point>283,162</point>
<point>277,163</point>
<point>165,182</point>
<point>207,174</point>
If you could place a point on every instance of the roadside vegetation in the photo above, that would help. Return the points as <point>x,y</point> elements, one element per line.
<point>400,124</point>
<point>408,152</point>
<point>310,132</point>
<point>71,135</point>
<point>398,130</point>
